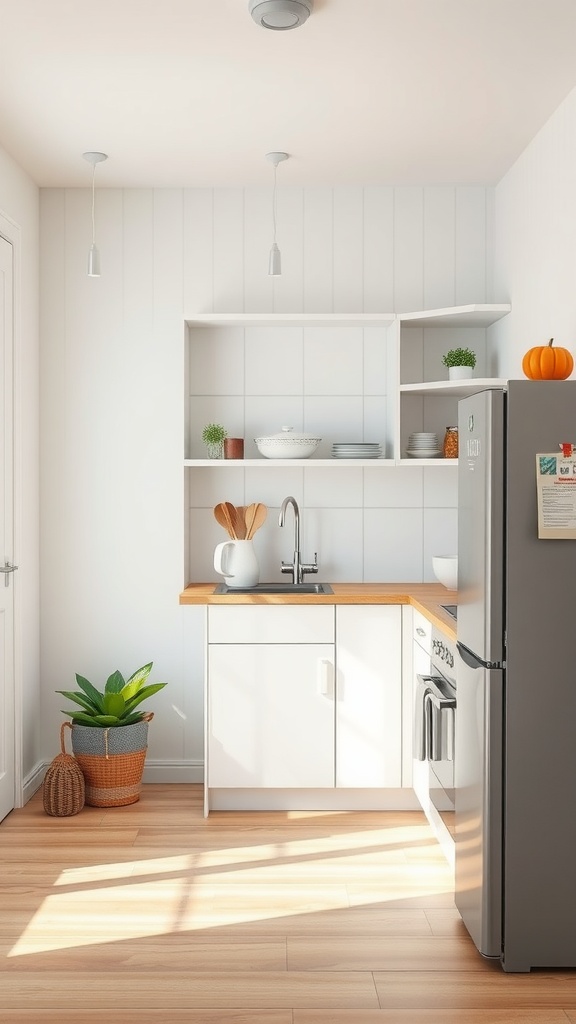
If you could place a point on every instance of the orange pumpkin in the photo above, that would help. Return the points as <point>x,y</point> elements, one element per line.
<point>546,363</point>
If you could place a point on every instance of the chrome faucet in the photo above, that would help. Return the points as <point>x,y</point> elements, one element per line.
<point>297,568</point>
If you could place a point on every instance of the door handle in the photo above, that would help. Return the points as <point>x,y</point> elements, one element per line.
<point>7,568</point>
<point>325,677</point>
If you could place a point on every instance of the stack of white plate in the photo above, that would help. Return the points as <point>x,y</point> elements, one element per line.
<point>356,450</point>
<point>423,445</point>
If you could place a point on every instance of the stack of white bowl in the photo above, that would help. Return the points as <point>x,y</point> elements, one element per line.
<point>423,445</point>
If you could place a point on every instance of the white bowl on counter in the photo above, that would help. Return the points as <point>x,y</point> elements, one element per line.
<point>446,570</point>
<point>287,444</point>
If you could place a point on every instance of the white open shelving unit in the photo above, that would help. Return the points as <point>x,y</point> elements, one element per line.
<point>413,342</point>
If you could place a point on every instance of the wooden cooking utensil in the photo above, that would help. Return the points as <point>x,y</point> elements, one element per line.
<point>240,522</point>
<point>230,513</point>
<point>249,513</point>
<point>260,514</point>
<point>223,518</point>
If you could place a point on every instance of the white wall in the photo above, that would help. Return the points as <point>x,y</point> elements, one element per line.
<point>113,514</point>
<point>19,202</point>
<point>535,244</point>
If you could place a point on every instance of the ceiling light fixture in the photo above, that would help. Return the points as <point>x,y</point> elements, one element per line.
<point>94,255</point>
<point>275,259</point>
<point>280,15</point>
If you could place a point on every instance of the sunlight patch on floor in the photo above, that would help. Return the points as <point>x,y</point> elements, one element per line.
<point>215,887</point>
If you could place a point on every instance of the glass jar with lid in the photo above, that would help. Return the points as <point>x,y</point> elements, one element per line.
<point>450,445</point>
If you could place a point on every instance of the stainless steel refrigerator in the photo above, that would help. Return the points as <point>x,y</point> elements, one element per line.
<point>515,755</point>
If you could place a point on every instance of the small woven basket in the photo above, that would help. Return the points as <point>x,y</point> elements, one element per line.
<point>63,788</point>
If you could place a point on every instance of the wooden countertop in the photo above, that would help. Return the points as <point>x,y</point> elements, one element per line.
<point>427,598</point>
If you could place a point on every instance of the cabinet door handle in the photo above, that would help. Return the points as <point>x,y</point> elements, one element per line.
<point>325,677</point>
<point>420,631</point>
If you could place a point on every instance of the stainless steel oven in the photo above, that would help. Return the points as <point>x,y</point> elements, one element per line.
<point>434,731</point>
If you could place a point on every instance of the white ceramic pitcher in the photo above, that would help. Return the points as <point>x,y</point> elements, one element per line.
<point>236,561</point>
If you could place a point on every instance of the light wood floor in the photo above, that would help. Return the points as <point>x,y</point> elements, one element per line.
<point>151,914</point>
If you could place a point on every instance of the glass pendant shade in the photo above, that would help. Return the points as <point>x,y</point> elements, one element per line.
<point>275,262</point>
<point>93,261</point>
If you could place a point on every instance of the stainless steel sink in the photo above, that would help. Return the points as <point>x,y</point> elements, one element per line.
<point>276,588</point>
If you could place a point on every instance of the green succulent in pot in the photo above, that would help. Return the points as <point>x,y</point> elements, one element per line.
<point>115,705</point>
<point>459,357</point>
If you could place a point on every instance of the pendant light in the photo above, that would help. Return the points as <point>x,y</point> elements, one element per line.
<point>280,15</point>
<point>94,255</point>
<point>275,258</point>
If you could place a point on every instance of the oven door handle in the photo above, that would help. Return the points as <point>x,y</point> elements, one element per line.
<point>439,712</point>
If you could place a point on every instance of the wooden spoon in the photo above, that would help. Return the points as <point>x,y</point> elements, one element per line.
<point>223,518</point>
<point>249,513</point>
<point>260,514</point>
<point>230,514</point>
<point>240,522</point>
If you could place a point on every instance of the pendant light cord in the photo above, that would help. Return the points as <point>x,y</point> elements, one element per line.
<point>93,220</point>
<point>274,203</point>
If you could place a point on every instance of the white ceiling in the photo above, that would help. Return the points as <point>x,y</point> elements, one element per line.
<point>194,93</point>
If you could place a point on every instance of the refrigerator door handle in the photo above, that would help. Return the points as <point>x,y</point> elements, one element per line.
<point>470,659</point>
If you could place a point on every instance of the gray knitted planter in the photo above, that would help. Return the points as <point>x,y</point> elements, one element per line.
<point>122,739</point>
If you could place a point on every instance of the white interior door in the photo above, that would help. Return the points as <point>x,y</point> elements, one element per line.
<point>7,768</point>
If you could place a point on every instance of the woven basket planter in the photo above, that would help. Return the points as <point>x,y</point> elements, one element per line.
<point>63,789</point>
<point>112,761</point>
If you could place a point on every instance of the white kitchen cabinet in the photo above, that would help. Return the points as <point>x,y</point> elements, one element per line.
<point>369,696</point>
<point>304,697</point>
<point>270,697</point>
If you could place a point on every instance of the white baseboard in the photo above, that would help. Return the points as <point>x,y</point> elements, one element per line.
<point>154,771</point>
<point>32,782</point>
<point>173,771</point>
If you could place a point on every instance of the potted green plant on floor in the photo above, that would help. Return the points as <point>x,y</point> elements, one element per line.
<point>213,436</point>
<point>110,735</point>
<point>460,363</point>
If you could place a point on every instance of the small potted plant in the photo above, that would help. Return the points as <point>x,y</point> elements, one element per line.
<point>460,363</point>
<point>110,735</point>
<point>213,436</point>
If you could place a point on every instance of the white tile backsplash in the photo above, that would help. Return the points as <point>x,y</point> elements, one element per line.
<point>336,418</point>
<point>333,361</point>
<point>393,545</point>
<point>440,537</point>
<point>394,487</point>
<point>441,487</point>
<point>216,361</point>
<point>272,485</point>
<point>333,488</point>
<point>214,485</point>
<point>274,361</point>
<point>336,534</point>
<point>374,428</point>
<point>375,377</point>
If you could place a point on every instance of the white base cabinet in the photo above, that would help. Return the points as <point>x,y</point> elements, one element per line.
<point>369,696</point>
<point>271,715</point>
<point>270,696</point>
<point>302,698</point>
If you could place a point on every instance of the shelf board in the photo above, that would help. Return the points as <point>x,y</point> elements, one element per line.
<point>312,463</point>
<point>473,315</point>
<point>427,462</point>
<point>291,319</point>
<point>453,388</point>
